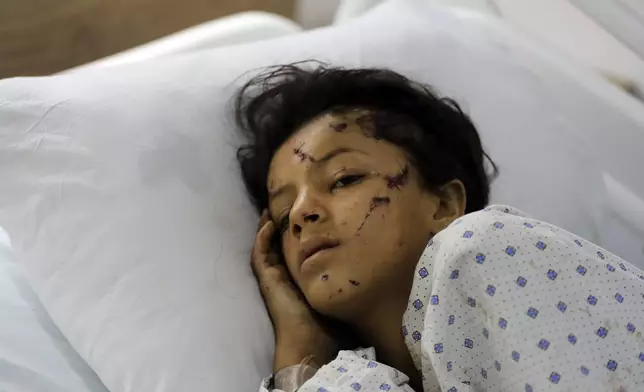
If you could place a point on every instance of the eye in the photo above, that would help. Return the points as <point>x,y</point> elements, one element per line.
<point>347,181</point>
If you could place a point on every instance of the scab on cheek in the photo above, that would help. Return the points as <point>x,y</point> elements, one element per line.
<point>379,201</point>
<point>376,202</point>
<point>324,277</point>
<point>354,282</point>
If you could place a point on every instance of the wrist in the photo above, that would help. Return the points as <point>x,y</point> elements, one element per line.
<point>292,354</point>
<point>286,356</point>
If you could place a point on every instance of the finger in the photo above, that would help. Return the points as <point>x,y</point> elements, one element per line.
<point>265,217</point>
<point>261,248</point>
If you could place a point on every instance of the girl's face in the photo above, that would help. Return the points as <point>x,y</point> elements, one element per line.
<point>352,215</point>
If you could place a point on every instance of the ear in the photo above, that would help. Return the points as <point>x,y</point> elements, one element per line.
<point>451,203</point>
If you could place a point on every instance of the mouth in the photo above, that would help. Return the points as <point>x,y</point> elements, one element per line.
<point>316,247</point>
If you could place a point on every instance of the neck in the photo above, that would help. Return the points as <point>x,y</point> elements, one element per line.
<point>382,329</point>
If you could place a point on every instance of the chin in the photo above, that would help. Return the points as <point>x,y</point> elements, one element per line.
<point>331,300</point>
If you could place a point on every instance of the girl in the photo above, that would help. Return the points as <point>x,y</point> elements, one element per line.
<point>374,226</point>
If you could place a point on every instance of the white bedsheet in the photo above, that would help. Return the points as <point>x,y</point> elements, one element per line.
<point>34,355</point>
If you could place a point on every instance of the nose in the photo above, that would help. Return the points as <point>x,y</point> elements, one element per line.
<point>307,210</point>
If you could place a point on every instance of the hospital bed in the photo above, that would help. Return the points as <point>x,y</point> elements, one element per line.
<point>123,207</point>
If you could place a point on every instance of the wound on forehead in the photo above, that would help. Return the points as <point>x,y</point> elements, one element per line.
<point>398,180</point>
<point>302,155</point>
<point>339,127</point>
<point>366,122</point>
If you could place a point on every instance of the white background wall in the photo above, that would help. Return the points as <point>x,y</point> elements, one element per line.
<point>558,23</point>
<point>565,27</point>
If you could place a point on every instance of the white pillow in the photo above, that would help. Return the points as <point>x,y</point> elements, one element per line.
<point>34,355</point>
<point>121,189</point>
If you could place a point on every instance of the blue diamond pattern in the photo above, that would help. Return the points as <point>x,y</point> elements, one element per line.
<point>552,274</point>
<point>471,301</point>
<point>322,389</point>
<point>528,225</point>
<point>516,356</point>
<point>385,387</point>
<point>480,258</point>
<point>562,306</point>
<point>630,327</point>
<point>544,344</point>
<point>611,365</point>
<point>601,255</point>
<point>584,370</point>
<point>450,319</point>
<point>423,272</point>
<point>416,336</point>
<point>555,377</point>
<point>452,389</point>
<point>503,323</point>
<point>572,339</point>
<point>449,366</point>
<point>581,270</point>
<point>371,364</point>
<point>610,268</point>
<point>540,245</point>
<point>418,304</point>
<point>511,250</point>
<point>622,266</point>
<point>454,275</point>
<point>528,388</point>
<point>532,312</point>
<point>468,234</point>
<point>404,330</point>
<point>356,386</point>
<point>602,332</point>
<point>491,290</point>
<point>342,370</point>
<point>434,300</point>
<point>641,357</point>
<point>521,281</point>
<point>619,298</point>
<point>578,243</point>
<point>468,343</point>
<point>438,348</point>
<point>498,225</point>
<point>591,300</point>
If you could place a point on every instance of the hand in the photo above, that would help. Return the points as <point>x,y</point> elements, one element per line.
<point>298,331</point>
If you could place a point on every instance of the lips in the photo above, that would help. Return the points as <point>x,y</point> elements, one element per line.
<point>312,247</point>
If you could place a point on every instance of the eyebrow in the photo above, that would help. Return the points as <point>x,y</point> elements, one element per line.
<point>338,151</point>
<point>325,158</point>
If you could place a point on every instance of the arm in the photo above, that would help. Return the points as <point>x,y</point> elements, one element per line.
<point>513,303</point>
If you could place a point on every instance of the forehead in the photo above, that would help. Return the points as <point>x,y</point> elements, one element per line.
<point>320,135</point>
<point>350,129</point>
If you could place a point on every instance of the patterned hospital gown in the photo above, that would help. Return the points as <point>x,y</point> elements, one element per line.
<point>503,302</point>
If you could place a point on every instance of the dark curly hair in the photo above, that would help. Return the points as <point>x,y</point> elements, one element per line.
<point>440,140</point>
